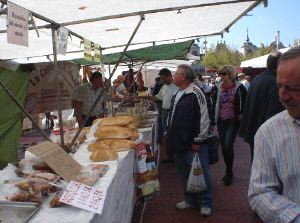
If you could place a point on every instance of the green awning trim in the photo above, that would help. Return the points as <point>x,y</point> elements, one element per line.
<point>171,51</point>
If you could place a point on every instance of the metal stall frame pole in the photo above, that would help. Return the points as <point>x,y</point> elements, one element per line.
<point>58,93</point>
<point>142,18</point>
<point>9,93</point>
<point>111,90</point>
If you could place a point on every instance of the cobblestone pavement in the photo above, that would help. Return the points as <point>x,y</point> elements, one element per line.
<point>230,202</point>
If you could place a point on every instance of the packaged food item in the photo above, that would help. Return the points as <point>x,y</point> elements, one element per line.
<point>30,166</point>
<point>90,174</point>
<point>99,169</point>
<point>35,186</point>
<point>87,178</point>
<point>51,177</point>
<point>54,203</point>
<point>25,196</point>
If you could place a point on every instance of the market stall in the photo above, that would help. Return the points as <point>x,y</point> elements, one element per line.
<point>118,184</point>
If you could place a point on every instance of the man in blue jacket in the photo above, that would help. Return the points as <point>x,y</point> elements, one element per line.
<point>188,126</point>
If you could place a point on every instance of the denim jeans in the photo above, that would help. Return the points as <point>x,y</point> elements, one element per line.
<point>183,162</point>
<point>227,130</point>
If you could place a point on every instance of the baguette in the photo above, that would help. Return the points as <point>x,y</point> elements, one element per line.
<point>116,120</point>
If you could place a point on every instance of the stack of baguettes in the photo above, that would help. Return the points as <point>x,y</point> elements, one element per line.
<point>114,134</point>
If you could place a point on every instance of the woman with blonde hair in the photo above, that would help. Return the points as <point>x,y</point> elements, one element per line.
<point>230,99</point>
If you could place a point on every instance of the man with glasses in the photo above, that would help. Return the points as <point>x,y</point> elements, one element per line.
<point>188,125</point>
<point>275,176</point>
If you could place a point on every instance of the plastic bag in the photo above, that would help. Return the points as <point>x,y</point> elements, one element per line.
<point>196,181</point>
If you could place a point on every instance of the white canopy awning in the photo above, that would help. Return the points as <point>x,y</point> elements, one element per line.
<point>259,62</point>
<point>111,23</point>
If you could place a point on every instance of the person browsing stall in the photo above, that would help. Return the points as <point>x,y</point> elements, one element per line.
<point>275,177</point>
<point>84,97</point>
<point>187,131</point>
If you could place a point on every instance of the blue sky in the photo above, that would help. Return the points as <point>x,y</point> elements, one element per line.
<point>282,15</point>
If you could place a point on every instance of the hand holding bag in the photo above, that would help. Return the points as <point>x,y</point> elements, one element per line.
<point>196,181</point>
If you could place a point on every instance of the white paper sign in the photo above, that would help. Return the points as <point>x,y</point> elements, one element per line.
<point>17,24</point>
<point>84,197</point>
<point>62,40</point>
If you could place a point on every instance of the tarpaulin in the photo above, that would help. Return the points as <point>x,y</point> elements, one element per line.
<point>10,114</point>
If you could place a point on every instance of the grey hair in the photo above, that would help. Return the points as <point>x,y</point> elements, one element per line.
<point>230,70</point>
<point>188,71</point>
<point>290,54</point>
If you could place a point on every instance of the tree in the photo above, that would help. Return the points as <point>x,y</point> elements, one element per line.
<point>221,55</point>
<point>261,51</point>
<point>296,42</point>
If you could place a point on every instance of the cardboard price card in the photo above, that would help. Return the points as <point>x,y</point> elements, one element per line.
<point>57,159</point>
<point>84,197</point>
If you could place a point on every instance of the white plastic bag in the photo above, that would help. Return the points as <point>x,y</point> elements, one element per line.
<point>196,181</point>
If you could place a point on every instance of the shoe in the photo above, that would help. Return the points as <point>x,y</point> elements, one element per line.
<point>205,212</point>
<point>167,161</point>
<point>227,180</point>
<point>184,205</point>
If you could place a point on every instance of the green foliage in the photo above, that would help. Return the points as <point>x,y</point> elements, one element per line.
<point>296,42</point>
<point>261,51</point>
<point>222,54</point>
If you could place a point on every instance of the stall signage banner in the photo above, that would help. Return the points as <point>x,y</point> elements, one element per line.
<point>57,159</point>
<point>41,96</point>
<point>84,197</point>
<point>62,40</point>
<point>87,50</point>
<point>97,53</point>
<point>17,24</point>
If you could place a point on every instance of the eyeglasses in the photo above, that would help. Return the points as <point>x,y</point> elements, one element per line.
<point>222,73</point>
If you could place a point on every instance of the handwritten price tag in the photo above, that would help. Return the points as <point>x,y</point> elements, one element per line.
<point>84,197</point>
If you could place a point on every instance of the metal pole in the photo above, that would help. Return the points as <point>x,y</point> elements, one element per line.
<point>102,91</point>
<point>111,90</point>
<point>58,93</point>
<point>23,110</point>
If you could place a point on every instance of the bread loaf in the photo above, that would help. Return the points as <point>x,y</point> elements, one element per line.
<point>104,155</point>
<point>100,144</point>
<point>118,133</point>
<point>117,144</point>
<point>116,120</point>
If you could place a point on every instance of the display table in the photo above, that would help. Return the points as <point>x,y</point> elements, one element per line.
<point>119,183</point>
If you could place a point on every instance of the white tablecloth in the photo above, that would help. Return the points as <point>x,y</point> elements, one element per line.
<point>118,205</point>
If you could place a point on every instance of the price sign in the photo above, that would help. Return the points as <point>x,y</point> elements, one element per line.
<point>84,197</point>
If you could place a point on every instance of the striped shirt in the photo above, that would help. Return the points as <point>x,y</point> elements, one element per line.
<point>87,95</point>
<point>274,190</point>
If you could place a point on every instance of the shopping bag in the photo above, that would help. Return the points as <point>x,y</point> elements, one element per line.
<point>213,148</point>
<point>196,181</point>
